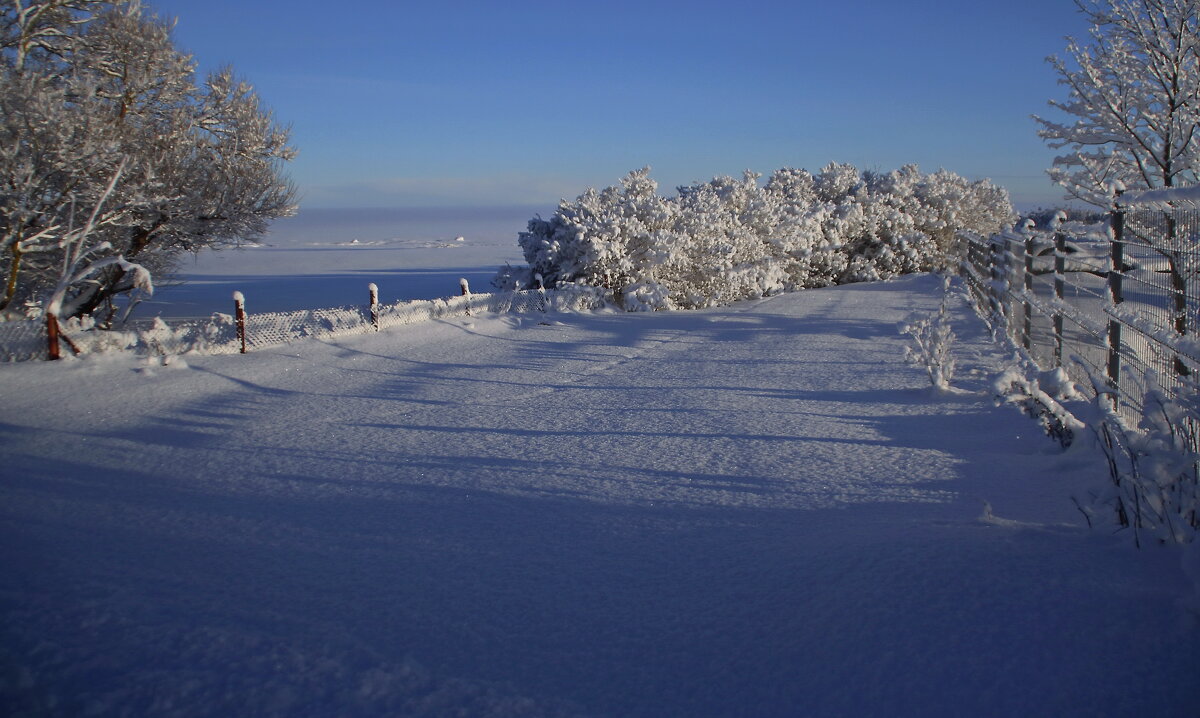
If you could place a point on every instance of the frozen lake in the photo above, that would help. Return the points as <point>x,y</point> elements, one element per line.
<point>327,257</point>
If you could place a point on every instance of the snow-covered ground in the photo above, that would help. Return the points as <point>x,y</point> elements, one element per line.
<point>759,510</point>
<point>327,257</point>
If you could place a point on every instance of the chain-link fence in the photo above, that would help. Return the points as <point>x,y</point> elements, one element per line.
<point>220,334</point>
<point>1115,303</point>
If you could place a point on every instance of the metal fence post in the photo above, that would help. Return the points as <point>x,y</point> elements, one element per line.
<point>1060,248</point>
<point>239,308</point>
<point>1027,340</point>
<point>1010,323</point>
<point>1117,261</point>
<point>1179,282</point>
<point>994,291</point>
<point>374,304</point>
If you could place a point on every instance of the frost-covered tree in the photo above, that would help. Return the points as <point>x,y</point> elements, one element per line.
<point>90,87</point>
<point>47,25</point>
<point>1133,100</point>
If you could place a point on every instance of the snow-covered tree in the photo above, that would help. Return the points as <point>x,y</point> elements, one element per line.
<point>87,87</point>
<point>1135,104</point>
<point>1133,100</point>
<point>47,25</point>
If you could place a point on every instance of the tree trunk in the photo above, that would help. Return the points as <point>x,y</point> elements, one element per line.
<point>10,287</point>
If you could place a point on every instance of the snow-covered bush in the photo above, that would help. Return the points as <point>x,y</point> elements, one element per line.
<point>934,340</point>
<point>614,238</point>
<point>1154,469</point>
<point>1041,395</point>
<point>729,239</point>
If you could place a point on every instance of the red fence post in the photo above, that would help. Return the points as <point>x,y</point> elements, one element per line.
<point>52,337</point>
<point>239,307</point>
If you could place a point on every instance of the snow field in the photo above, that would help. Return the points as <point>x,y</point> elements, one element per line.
<point>755,510</point>
<point>326,258</point>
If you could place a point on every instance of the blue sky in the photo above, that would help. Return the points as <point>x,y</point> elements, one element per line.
<point>397,104</point>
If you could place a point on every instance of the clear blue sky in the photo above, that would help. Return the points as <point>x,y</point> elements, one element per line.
<point>397,104</point>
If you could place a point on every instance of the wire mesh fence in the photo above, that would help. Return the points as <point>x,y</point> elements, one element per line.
<point>1114,304</point>
<point>22,340</point>
<point>25,340</point>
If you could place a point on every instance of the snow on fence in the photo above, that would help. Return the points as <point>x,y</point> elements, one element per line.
<point>1106,302</point>
<point>231,333</point>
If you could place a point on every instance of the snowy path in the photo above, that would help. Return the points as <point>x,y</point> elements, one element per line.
<point>755,511</point>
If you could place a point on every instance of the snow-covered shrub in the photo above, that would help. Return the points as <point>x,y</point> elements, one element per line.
<point>614,238</point>
<point>934,340</point>
<point>802,230</point>
<point>950,203</point>
<point>1041,395</point>
<point>1154,469</point>
<point>908,220</point>
<point>728,239</point>
<point>718,254</point>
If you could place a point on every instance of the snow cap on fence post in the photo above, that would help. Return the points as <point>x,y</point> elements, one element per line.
<point>466,292</point>
<point>374,297</point>
<point>239,308</point>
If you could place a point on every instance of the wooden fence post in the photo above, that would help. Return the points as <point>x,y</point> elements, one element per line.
<point>239,307</point>
<point>1117,262</point>
<point>374,304</point>
<point>52,351</point>
<point>1060,268</point>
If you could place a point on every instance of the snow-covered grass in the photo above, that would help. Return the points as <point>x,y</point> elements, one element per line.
<point>754,510</point>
